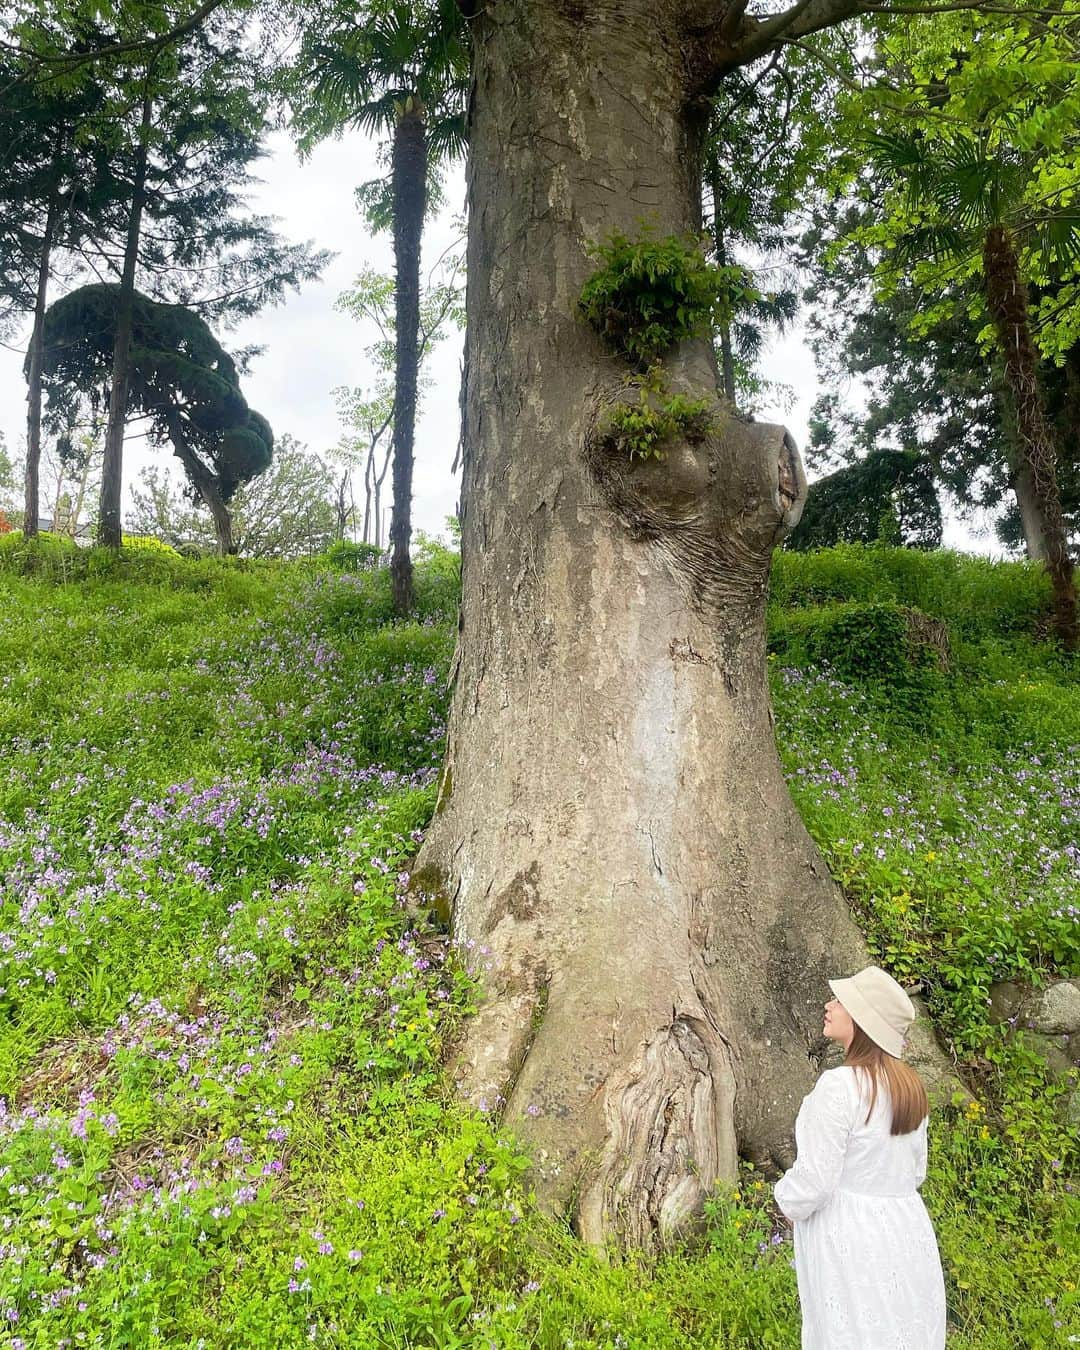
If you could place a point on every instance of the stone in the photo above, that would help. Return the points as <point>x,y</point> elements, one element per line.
<point>1055,1010</point>
<point>931,1062</point>
<point>1053,1049</point>
<point>1006,999</point>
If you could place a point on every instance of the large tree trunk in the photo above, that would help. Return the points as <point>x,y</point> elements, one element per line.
<point>1007,299</point>
<point>108,528</point>
<point>410,199</point>
<point>614,839</point>
<point>32,505</point>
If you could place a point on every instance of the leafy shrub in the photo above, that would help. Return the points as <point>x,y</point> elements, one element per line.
<point>436,579</point>
<point>45,555</point>
<point>641,430</point>
<point>651,293</point>
<point>347,556</point>
<point>976,597</point>
<point>872,644</point>
<point>146,543</point>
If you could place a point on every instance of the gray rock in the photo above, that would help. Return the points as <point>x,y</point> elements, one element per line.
<point>1055,1010</point>
<point>1053,1049</point>
<point>1006,999</point>
<point>931,1063</point>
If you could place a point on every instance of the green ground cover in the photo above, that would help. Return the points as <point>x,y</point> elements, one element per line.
<point>223,1121</point>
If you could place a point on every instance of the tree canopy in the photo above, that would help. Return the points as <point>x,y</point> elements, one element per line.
<point>183,382</point>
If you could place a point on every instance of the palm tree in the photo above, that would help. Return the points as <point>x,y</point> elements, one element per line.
<point>971,203</point>
<point>399,69</point>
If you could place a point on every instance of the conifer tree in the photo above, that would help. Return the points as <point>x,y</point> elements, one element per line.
<point>180,378</point>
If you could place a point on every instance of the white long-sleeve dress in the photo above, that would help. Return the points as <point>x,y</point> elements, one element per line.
<point>865,1253</point>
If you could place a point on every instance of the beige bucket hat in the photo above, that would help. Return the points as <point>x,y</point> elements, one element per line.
<point>878,1005</point>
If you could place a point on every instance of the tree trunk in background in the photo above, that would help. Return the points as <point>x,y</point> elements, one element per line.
<point>1031,518</point>
<point>207,489</point>
<point>380,478</point>
<point>1037,486</point>
<point>32,508</point>
<point>409,171</point>
<point>204,483</point>
<point>341,506</point>
<point>113,466</point>
<point>727,355</point>
<point>614,839</point>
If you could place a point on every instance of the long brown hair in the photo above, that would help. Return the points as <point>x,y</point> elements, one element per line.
<point>908,1096</point>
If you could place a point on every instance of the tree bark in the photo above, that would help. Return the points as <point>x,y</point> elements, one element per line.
<point>204,483</point>
<point>109,532</point>
<point>409,171</point>
<point>32,506</point>
<point>614,842</point>
<point>1037,485</point>
<point>341,506</point>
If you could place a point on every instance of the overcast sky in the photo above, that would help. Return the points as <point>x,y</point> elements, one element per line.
<point>310,348</point>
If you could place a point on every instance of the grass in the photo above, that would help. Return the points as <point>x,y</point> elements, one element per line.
<point>224,1120</point>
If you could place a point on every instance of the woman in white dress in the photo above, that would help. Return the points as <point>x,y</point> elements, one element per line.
<point>865,1254</point>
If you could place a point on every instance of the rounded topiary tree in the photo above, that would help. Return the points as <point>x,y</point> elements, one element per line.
<point>889,490</point>
<point>182,379</point>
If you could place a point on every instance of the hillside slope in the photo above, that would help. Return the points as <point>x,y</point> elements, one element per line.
<point>224,1122</point>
